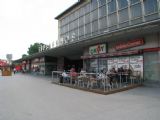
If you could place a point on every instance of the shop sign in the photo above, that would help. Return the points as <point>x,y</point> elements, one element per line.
<point>97,49</point>
<point>129,44</point>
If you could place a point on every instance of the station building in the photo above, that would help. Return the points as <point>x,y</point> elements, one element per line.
<point>101,34</point>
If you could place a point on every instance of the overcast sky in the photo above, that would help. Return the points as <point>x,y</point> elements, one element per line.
<point>24,22</point>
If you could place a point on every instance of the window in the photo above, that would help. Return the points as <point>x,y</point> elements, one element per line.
<point>136,11</point>
<point>112,19</point>
<point>94,4</point>
<point>123,15</point>
<point>81,21</point>
<point>88,28</point>
<point>103,23</point>
<point>150,6</point>
<point>81,31</point>
<point>87,8</point>
<point>87,18</point>
<point>112,6</point>
<point>122,4</point>
<point>75,23</point>
<point>95,26</point>
<point>134,1</point>
<point>102,11</point>
<point>94,14</point>
<point>102,2</point>
<point>81,11</point>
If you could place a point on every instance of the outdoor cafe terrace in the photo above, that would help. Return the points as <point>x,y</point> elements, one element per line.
<point>99,83</point>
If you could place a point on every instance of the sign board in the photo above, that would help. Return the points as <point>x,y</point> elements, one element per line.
<point>43,47</point>
<point>9,56</point>
<point>129,44</point>
<point>97,49</point>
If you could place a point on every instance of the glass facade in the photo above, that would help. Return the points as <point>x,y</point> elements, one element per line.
<point>96,65</point>
<point>101,16</point>
<point>151,66</point>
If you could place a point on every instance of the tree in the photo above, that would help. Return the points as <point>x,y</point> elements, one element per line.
<point>33,48</point>
<point>24,55</point>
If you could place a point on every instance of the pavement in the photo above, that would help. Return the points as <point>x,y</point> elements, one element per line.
<point>25,97</point>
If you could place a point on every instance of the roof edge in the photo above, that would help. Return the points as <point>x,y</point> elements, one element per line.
<point>70,8</point>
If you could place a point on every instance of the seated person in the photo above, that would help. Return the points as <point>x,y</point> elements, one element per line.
<point>83,73</point>
<point>101,75</point>
<point>73,74</point>
<point>65,76</point>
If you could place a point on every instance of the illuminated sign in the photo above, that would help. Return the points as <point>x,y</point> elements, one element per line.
<point>97,49</point>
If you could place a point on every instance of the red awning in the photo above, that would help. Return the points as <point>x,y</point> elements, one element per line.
<point>3,63</point>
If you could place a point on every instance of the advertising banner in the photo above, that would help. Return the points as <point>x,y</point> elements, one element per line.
<point>136,63</point>
<point>112,63</point>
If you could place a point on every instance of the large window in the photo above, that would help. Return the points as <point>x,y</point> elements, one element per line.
<point>136,11</point>
<point>112,19</point>
<point>150,6</point>
<point>94,14</point>
<point>123,15</point>
<point>81,31</point>
<point>102,2</point>
<point>95,26</point>
<point>88,29</point>
<point>122,4</point>
<point>103,23</point>
<point>87,18</point>
<point>123,11</point>
<point>94,4</point>
<point>134,1</point>
<point>102,11</point>
<point>112,6</point>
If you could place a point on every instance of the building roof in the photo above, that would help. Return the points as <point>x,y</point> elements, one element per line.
<point>70,8</point>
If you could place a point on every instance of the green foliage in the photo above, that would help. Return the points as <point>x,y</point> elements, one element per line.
<point>24,55</point>
<point>33,48</point>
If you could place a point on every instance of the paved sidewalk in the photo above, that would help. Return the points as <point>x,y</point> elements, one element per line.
<point>25,97</point>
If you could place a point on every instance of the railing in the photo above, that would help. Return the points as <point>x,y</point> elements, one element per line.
<point>107,82</point>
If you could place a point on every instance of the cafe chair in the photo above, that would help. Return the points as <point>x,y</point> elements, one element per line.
<point>135,76</point>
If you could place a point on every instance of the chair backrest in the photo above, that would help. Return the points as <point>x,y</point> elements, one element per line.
<point>136,73</point>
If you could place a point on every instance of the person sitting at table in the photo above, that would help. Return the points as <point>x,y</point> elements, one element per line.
<point>112,74</point>
<point>65,76</point>
<point>83,72</point>
<point>73,75</point>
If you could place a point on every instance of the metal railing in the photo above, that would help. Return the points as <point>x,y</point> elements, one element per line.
<point>106,82</point>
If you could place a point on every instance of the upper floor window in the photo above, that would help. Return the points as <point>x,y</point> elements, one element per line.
<point>122,4</point>
<point>87,8</point>
<point>102,2</point>
<point>134,1</point>
<point>94,4</point>
<point>112,6</point>
<point>150,6</point>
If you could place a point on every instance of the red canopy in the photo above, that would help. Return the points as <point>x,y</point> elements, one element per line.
<point>3,63</point>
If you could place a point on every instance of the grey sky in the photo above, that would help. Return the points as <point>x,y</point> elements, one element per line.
<point>23,22</point>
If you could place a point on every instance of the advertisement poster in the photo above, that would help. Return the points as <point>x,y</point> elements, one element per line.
<point>136,63</point>
<point>123,62</point>
<point>112,63</point>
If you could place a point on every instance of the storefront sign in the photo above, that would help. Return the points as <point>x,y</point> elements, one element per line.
<point>129,44</point>
<point>98,49</point>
